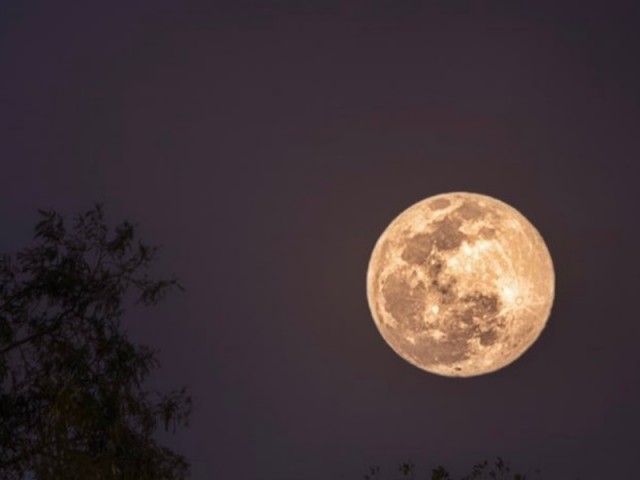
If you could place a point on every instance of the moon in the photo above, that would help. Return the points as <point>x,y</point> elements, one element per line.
<point>460,284</point>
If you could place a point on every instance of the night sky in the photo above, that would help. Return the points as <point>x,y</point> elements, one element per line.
<point>266,146</point>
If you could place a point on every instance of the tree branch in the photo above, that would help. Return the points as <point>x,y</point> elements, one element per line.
<point>34,336</point>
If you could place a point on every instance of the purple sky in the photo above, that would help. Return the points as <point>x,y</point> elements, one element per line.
<point>266,145</point>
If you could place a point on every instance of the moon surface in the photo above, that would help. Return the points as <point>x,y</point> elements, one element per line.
<point>460,284</point>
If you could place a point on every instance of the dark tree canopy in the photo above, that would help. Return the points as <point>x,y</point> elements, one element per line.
<point>73,403</point>
<point>499,470</point>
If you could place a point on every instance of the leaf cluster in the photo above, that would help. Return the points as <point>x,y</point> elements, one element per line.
<point>73,403</point>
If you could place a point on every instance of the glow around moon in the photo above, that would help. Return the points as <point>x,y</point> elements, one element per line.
<point>460,284</point>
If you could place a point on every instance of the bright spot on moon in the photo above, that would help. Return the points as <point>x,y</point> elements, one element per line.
<point>460,284</point>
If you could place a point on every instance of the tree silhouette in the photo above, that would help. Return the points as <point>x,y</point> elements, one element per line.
<point>500,470</point>
<point>73,403</point>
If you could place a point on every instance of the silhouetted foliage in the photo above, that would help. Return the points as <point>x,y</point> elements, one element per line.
<point>500,470</point>
<point>73,404</point>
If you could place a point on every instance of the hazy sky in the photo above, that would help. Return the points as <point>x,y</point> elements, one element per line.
<point>266,145</point>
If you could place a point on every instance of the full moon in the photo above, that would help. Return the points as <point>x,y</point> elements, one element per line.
<point>460,284</point>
